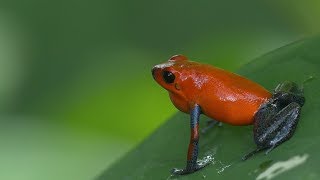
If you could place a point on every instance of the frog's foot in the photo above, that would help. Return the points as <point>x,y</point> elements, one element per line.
<point>188,170</point>
<point>270,149</point>
<point>210,124</point>
<point>250,154</point>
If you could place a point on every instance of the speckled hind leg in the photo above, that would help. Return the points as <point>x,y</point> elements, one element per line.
<point>271,129</point>
<point>288,92</point>
<point>276,120</point>
<point>286,123</point>
<point>263,118</point>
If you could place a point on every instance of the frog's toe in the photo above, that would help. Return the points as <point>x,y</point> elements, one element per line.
<point>269,150</point>
<point>177,171</point>
<point>250,154</point>
<point>198,166</point>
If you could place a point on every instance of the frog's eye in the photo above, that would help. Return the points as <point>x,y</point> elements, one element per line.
<point>168,77</point>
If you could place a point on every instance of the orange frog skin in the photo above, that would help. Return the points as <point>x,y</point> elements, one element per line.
<point>196,88</point>
<point>222,95</point>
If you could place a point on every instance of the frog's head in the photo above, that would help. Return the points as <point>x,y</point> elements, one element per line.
<point>171,75</point>
<point>168,74</point>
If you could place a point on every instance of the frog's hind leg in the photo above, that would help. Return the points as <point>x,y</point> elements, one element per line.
<point>262,119</point>
<point>276,120</point>
<point>288,92</point>
<point>250,154</point>
<point>271,129</point>
<point>285,124</point>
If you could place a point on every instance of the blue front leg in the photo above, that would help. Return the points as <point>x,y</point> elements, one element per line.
<point>193,149</point>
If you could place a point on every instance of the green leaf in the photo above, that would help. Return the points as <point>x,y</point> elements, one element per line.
<point>297,158</point>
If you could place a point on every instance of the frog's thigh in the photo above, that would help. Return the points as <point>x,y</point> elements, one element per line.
<point>262,120</point>
<point>280,128</point>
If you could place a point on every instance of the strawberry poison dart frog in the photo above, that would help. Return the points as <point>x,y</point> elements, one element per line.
<point>196,88</point>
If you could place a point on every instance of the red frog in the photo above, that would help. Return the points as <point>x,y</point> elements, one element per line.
<point>196,88</point>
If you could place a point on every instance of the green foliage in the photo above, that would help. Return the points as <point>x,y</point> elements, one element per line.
<point>77,72</point>
<point>166,147</point>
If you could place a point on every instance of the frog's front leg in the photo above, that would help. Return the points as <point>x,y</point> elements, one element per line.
<point>192,164</point>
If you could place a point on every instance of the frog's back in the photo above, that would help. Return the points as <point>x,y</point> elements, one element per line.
<point>222,95</point>
<point>228,97</point>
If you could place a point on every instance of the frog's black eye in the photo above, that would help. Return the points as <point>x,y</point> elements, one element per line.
<point>168,77</point>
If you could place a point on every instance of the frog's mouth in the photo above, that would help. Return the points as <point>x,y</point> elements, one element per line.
<point>153,71</point>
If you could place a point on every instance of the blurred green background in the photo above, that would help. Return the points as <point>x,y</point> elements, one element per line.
<point>76,90</point>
